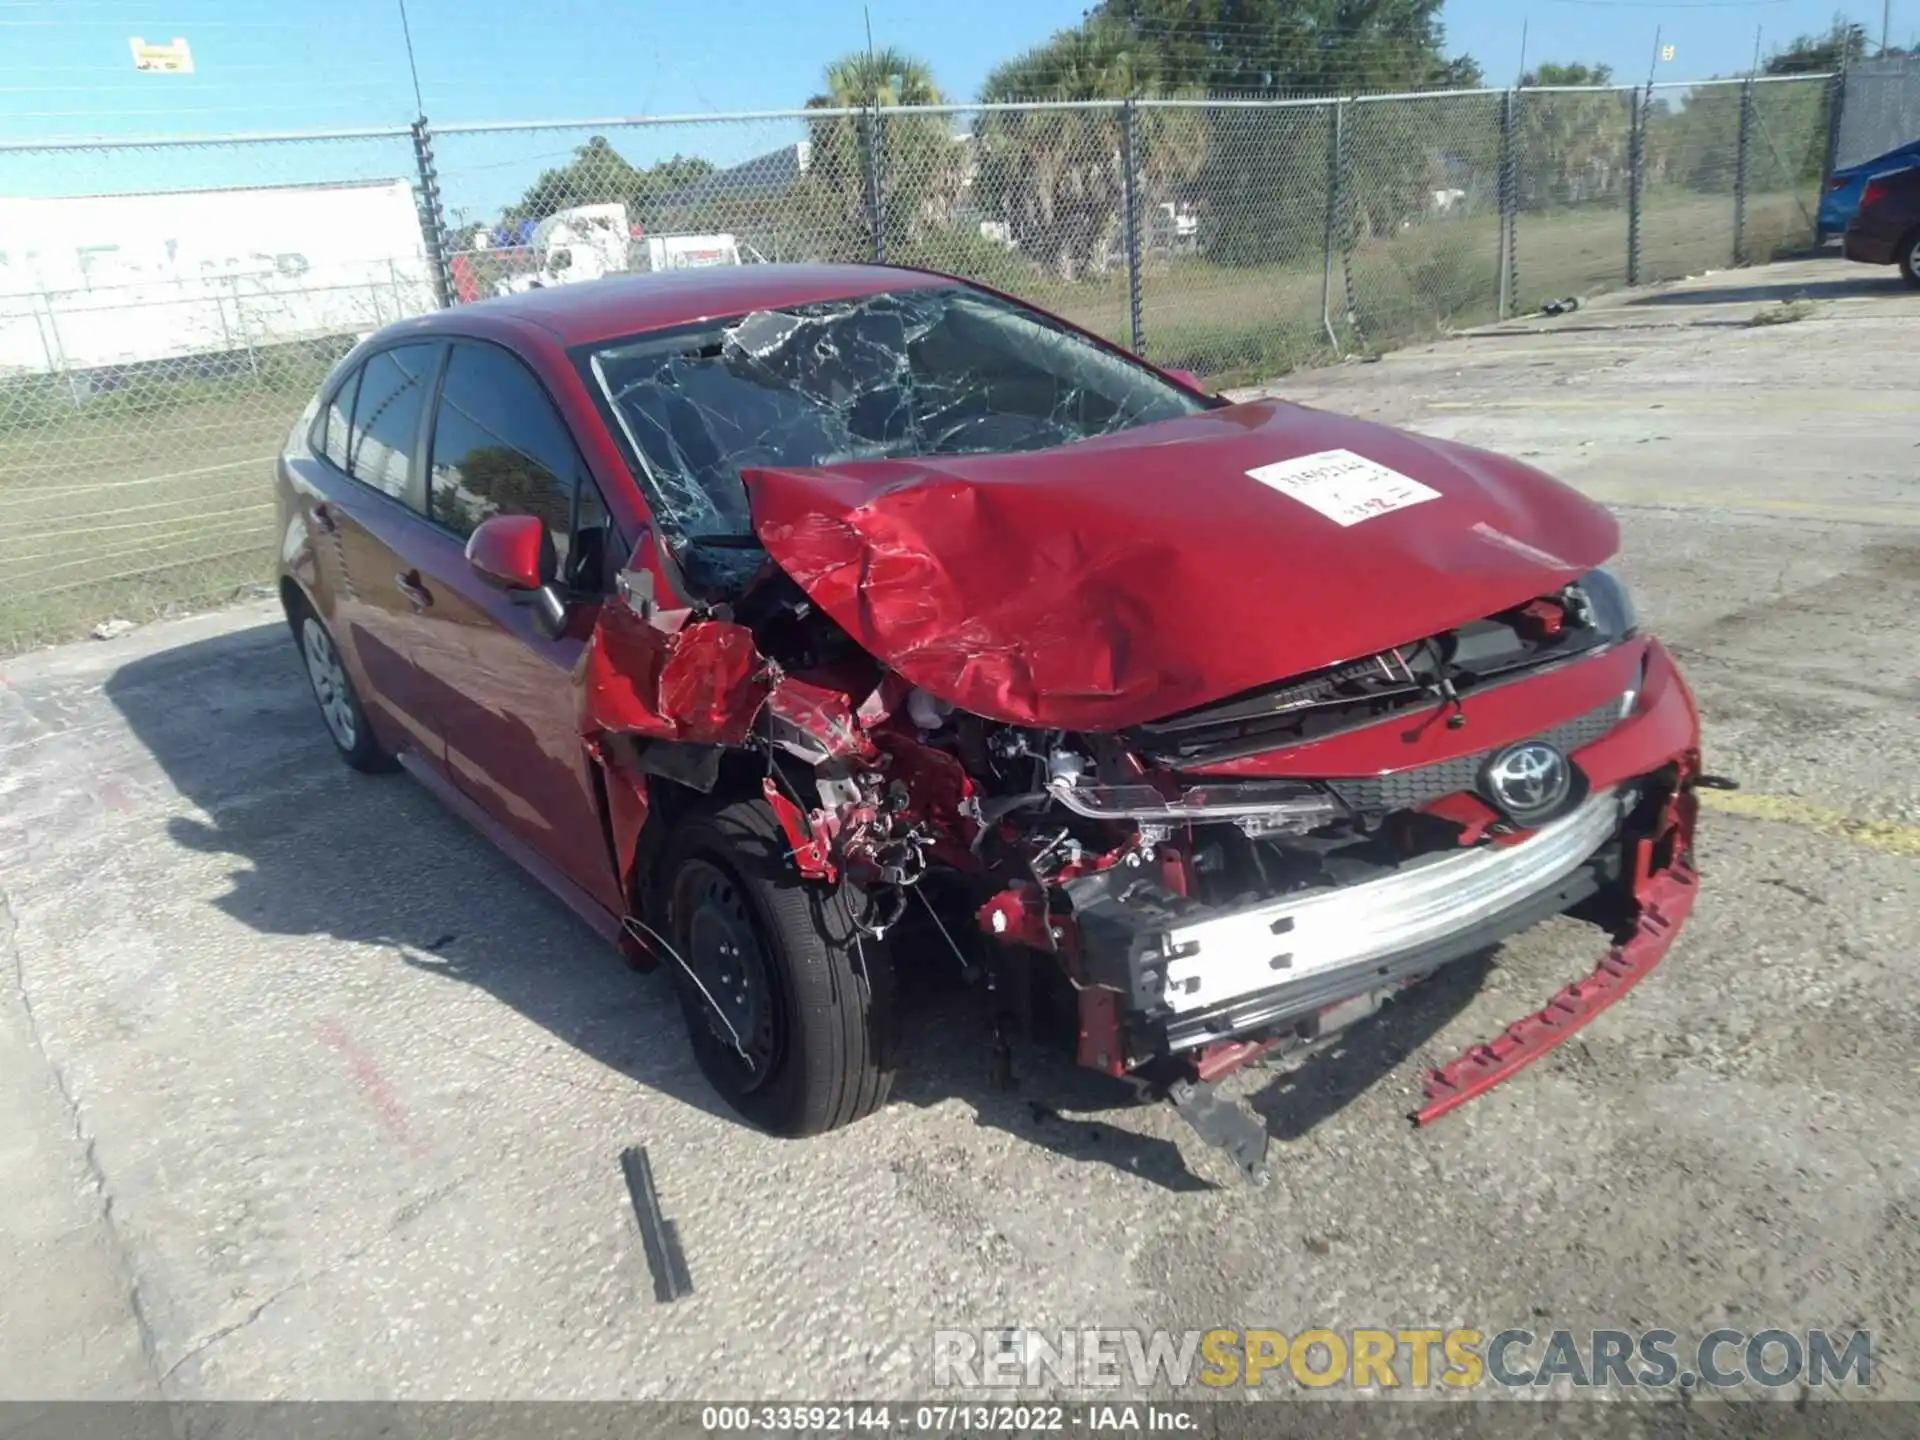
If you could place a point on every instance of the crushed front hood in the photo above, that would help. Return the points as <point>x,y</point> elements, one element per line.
<point>1128,577</point>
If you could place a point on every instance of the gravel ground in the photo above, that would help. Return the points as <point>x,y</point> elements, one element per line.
<point>306,1092</point>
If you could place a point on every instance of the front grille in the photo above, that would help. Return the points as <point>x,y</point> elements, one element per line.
<point>1410,789</point>
<point>1339,698</point>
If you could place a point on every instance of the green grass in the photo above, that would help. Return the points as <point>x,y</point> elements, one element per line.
<point>157,497</point>
<point>137,504</point>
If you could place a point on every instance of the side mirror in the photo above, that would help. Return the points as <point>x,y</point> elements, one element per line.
<point>513,551</point>
<point>1186,378</point>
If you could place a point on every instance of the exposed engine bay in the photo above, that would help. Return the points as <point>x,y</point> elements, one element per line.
<point>1102,884</point>
<point>1192,730</point>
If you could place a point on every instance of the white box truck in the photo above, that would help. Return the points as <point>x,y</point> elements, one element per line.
<point>99,281</point>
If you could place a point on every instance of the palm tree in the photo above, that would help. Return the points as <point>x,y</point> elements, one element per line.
<point>907,169</point>
<point>1056,177</point>
<point>877,77</point>
<point>1572,145</point>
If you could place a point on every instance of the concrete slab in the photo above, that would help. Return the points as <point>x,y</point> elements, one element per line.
<point>323,1099</point>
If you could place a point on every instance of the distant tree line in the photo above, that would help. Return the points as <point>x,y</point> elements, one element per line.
<point>1044,189</point>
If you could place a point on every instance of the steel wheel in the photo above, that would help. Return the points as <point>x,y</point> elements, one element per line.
<point>329,681</point>
<point>775,963</point>
<point>730,962</point>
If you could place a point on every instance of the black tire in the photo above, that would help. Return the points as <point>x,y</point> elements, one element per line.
<point>820,1022</point>
<point>341,712</point>
<point>1910,259</point>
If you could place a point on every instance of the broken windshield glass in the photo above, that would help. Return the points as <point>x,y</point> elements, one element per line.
<point>909,373</point>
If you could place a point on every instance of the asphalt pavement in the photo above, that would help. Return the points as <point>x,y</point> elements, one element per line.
<point>305,1092</point>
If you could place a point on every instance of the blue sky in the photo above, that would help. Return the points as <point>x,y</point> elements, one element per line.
<point>66,70</point>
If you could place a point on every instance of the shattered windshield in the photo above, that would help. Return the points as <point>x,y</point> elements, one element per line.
<point>946,371</point>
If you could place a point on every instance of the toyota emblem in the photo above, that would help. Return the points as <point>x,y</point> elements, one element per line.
<point>1528,781</point>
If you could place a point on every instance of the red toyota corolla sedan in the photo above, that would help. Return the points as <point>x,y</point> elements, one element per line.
<point>800,624</point>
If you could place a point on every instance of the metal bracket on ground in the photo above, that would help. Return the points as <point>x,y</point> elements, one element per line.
<point>657,1233</point>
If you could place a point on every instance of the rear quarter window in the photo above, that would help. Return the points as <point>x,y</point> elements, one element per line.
<point>335,422</point>
<point>391,394</point>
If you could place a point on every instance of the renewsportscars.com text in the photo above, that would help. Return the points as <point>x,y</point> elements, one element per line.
<point>1362,1359</point>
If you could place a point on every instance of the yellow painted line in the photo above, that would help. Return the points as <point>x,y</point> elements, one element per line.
<point>1898,513</point>
<point>1767,400</point>
<point>1887,835</point>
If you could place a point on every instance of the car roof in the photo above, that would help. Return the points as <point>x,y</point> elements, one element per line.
<point>631,304</point>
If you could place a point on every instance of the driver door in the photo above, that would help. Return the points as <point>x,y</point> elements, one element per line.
<point>503,692</point>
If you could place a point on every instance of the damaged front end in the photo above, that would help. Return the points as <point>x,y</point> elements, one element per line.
<point>1184,802</point>
<point>1141,896</point>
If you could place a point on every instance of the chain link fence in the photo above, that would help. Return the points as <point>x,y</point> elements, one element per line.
<point>155,347</point>
<point>1573,185</point>
<point>167,307</point>
<point>1881,111</point>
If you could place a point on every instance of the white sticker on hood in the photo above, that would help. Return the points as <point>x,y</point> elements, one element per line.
<point>1345,487</point>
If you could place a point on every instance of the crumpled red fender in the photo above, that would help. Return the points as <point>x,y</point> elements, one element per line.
<point>933,581</point>
<point>704,684</point>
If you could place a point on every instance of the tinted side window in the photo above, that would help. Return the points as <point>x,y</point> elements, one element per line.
<point>500,448</point>
<point>336,420</point>
<point>386,417</point>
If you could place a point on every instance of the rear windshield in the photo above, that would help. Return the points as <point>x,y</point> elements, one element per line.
<point>947,371</point>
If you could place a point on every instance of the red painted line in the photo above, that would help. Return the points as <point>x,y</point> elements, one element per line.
<point>1669,901</point>
<point>374,1084</point>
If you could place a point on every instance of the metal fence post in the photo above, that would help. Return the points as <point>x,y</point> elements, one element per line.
<point>1334,126</point>
<point>1129,163</point>
<point>1350,237</point>
<point>1509,258</point>
<point>1743,158</point>
<point>1636,156</point>
<point>1836,109</point>
<point>872,152</point>
<point>433,224</point>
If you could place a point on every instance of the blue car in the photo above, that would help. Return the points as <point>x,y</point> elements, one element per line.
<point>1841,202</point>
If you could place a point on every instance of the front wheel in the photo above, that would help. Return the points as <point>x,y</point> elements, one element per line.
<point>1910,259</point>
<point>789,1006</point>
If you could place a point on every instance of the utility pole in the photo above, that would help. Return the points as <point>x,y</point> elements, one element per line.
<point>1886,22</point>
<point>406,32</point>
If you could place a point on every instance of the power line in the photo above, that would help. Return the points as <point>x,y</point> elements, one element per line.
<point>1670,4</point>
<point>419,105</point>
<point>135,83</point>
<point>131,24</point>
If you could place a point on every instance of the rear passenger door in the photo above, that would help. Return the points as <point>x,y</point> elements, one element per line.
<point>502,691</point>
<point>374,509</point>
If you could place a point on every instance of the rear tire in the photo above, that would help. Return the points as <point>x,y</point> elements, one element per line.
<point>1910,259</point>
<point>807,995</point>
<point>340,708</point>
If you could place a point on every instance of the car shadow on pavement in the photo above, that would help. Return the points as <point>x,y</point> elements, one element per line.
<point>375,860</point>
<point>1058,1106</point>
<point>1868,281</point>
<point>1298,1100</point>
<point>1048,1102</point>
<point>329,853</point>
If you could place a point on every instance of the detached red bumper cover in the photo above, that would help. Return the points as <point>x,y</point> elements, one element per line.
<point>1664,908</point>
<point>1664,885</point>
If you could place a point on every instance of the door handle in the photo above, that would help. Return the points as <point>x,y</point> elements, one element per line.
<point>417,594</point>
<point>323,517</point>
